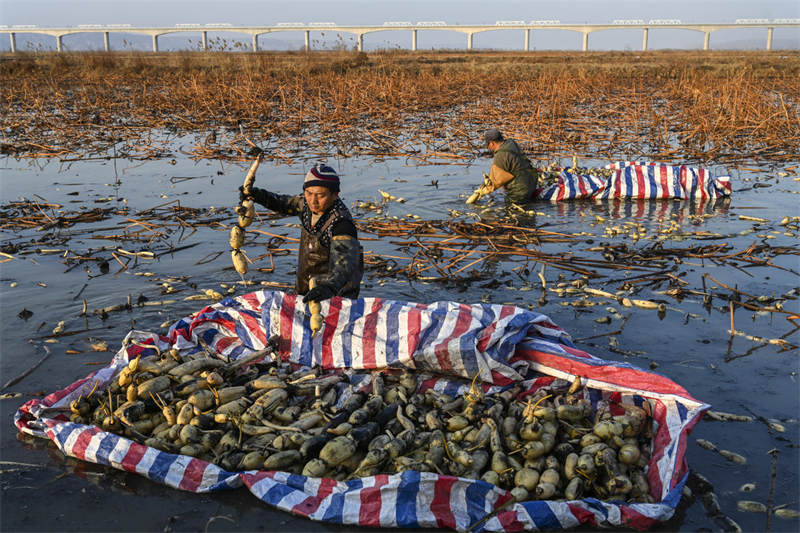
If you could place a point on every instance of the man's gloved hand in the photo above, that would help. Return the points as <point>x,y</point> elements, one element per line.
<point>254,191</point>
<point>486,187</point>
<point>319,293</point>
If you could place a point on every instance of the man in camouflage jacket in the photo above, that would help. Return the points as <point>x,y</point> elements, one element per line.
<point>510,169</point>
<point>329,248</point>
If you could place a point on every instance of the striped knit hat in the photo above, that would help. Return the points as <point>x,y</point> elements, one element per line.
<point>322,176</point>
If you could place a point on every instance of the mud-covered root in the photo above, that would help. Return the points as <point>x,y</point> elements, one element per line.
<point>317,320</point>
<point>727,454</point>
<point>574,413</point>
<point>575,489</point>
<point>239,261</point>
<point>521,494</point>
<point>337,451</point>
<point>236,239</point>
<point>629,454</point>
<point>315,468</point>
<point>247,212</point>
<point>787,514</point>
<point>282,460</point>
<point>253,460</point>
<point>545,491</point>
<point>528,478</point>
<point>81,406</point>
<point>153,386</point>
<point>607,429</point>
<point>214,379</point>
<point>195,366</point>
<point>162,445</point>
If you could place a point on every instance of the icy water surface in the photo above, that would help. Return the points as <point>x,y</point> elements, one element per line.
<point>690,343</point>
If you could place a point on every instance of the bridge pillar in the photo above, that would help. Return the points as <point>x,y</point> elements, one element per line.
<point>255,43</point>
<point>205,41</point>
<point>360,42</point>
<point>413,40</point>
<point>58,43</point>
<point>155,43</point>
<point>644,42</point>
<point>769,38</point>
<point>13,42</point>
<point>469,41</point>
<point>308,40</point>
<point>105,41</point>
<point>528,40</point>
<point>585,42</point>
<point>706,40</point>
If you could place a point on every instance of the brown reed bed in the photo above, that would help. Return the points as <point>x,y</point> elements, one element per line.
<point>692,107</point>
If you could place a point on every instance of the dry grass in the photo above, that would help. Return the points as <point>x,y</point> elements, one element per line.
<point>677,106</point>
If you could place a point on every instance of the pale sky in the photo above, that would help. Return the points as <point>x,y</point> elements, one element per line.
<point>167,13</point>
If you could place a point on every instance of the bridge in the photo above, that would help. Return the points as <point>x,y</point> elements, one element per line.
<point>360,31</point>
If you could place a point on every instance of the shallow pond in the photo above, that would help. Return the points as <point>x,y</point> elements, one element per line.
<point>690,343</point>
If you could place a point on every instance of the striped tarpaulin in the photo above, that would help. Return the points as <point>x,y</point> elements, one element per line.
<point>178,471</point>
<point>505,343</point>
<point>640,181</point>
<point>570,186</point>
<point>372,333</point>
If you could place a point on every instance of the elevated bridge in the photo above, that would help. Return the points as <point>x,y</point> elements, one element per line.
<point>360,31</point>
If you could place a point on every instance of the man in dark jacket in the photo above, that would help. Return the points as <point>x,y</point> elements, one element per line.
<point>329,248</point>
<point>510,169</point>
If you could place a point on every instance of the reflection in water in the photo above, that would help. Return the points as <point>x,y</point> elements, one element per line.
<point>644,210</point>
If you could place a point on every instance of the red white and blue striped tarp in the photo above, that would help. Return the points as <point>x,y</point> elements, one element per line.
<point>504,344</point>
<point>570,186</point>
<point>640,181</point>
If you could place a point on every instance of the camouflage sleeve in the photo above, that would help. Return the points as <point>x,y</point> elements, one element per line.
<point>285,204</point>
<point>345,253</point>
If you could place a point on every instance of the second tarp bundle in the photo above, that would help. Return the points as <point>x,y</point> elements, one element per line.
<point>639,181</point>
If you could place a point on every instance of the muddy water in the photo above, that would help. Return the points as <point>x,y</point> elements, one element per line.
<point>690,343</point>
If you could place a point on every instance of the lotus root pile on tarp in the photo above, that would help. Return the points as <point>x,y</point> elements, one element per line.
<point>443,343</point>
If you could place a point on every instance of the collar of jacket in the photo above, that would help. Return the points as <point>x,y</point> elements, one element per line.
<point>336,212</point>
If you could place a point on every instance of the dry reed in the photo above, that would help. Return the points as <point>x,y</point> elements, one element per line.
<point>711,107</point>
